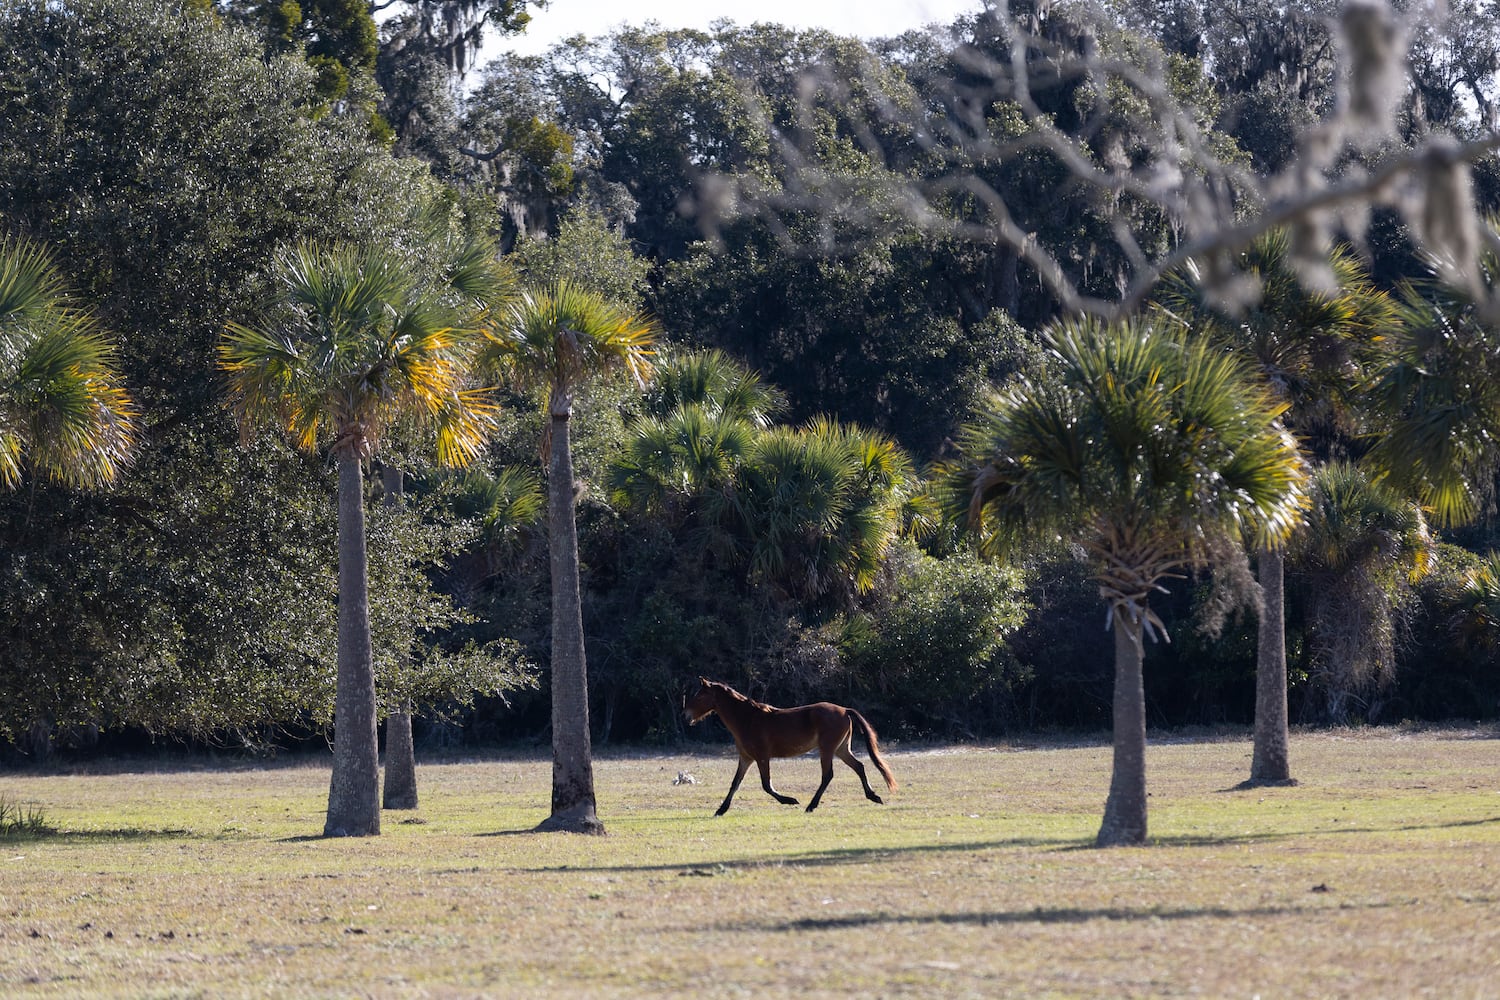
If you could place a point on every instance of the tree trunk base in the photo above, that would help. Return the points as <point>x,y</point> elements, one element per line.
<point>1120,835</point>
<point>1249,783</point>
<point>580,820</point>
<point>341,831</point>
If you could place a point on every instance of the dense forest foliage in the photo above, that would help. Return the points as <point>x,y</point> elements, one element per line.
<point>811,225</point>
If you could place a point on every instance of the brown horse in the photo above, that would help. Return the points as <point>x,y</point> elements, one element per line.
<point>761,732</point>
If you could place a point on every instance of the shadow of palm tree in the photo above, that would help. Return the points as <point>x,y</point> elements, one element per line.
<point>66,836</point>
<point>839,856</point>
<point>1039,914</point>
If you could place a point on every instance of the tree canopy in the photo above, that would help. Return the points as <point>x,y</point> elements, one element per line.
<point>847,247</point>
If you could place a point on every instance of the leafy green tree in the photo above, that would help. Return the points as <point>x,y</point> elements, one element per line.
<point>351,346</point>
<point>424,659</point>
<point>426,50</point>
<point>63,409</point>
<point>560,338</point>
<point>515,148</point>
<point>191,598</point>
<point>589,252</point>
<point>936,637</point>
<point>338,38</point>
<point>1151,453</point>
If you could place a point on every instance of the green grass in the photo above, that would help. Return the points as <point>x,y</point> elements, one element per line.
<point>1378,875</point>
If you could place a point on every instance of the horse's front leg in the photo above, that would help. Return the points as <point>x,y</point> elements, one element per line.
<point>827,777</point>
<point>739,775</point>
<point>765,782</point>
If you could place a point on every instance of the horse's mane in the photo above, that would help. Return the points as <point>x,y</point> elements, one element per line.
<point>740,697</point>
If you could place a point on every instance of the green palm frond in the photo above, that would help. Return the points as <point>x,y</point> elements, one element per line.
<point>1441,396</point>
<point>478,275</point>
<point>504,505</point>
<point>1144,448</point>
<point>563,335</point>
<point>1477,622</point>
<point>63,406</point>
<point>818,507</point>
<point>359,347</point>
<point>682,456</point>
<point>30,286</point>
<point>715,382</point>
<point>1359,521</point>
<point>1314,349</point>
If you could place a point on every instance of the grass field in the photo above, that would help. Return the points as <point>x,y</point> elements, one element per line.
<point>1377,876</point>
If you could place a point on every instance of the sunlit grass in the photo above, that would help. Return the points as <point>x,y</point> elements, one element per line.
<point>1379,874</point>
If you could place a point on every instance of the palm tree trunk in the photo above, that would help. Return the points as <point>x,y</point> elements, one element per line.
<point>1125,810</point>
<point>400,762</point>
<point>354,791</point>
<point>400,751</point>
<point>1269,762</point>
<point>573,807</point>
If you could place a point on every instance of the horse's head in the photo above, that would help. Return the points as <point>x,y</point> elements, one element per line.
<point>700,704</point>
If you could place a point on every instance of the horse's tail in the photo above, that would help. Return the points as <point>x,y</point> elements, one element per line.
<point>869,731</point>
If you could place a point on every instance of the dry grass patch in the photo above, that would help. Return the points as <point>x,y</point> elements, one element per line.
<point>1378,875</point>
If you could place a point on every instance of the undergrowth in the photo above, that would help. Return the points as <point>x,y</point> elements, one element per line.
<point>22,822</point>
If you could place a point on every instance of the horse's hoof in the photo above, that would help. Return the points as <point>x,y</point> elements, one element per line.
<point>811,806</point>
<point>877,800</point>
<point>721,810</point>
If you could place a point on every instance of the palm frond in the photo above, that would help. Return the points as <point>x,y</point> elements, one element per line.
<point>63,405</point>
<point>562,335</point>
<point>358,348</point>
<point>1143,448</point>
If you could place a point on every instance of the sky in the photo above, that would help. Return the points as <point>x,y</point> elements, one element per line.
<point>863,18</point>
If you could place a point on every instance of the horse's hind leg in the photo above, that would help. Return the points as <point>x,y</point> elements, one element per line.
<point>827,777</point>
<point>739,775</point>
<point>765,782</point>
<point>848,757</point>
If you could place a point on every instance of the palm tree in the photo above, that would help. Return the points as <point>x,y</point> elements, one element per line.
<point>1439,397</point>
<point>674,464</point>
<point>63,410</point>
<point>715,383</point>
<point>560,338</point>
<point>816,508</point>
<point>1366,545</point>
<point>1151,453</point>
<point>475,282</point>
<point>354,346</point>
<point>703,413</point>
<point>1475,624</point>
<point>1312,349</point>
<point>400,749</point>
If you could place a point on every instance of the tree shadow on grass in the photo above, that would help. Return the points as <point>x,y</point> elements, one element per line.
<point>877,855</point>
<point>1216,840</point>
<point>809,859</point>
<point>1038,915</point>
<point>65,836</point>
